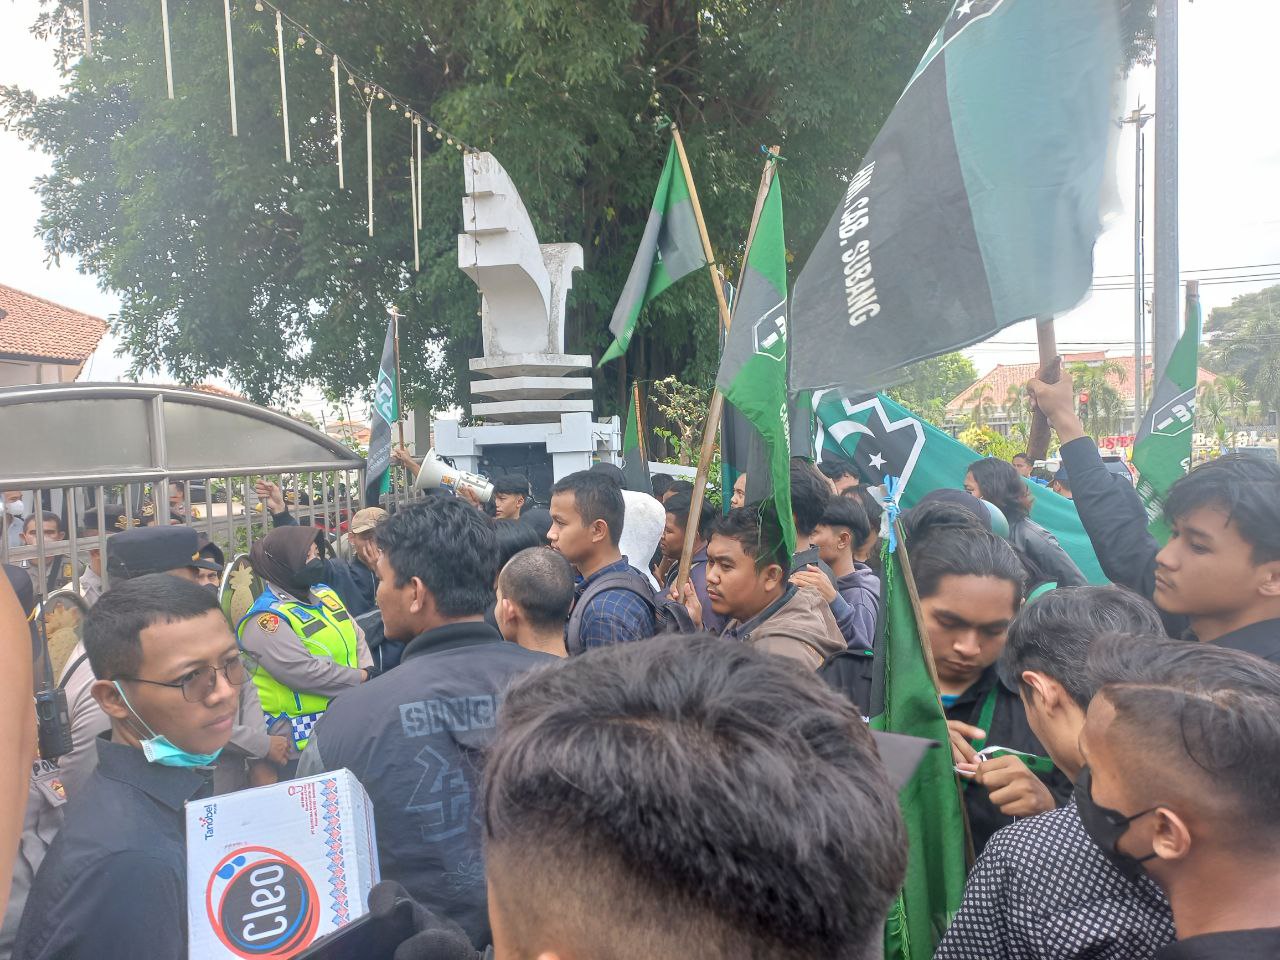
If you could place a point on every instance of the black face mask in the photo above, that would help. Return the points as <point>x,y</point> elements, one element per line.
<point>312,573</point>
<point>1105,827</point>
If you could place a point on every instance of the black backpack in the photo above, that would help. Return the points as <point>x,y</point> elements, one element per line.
<point>851,672</point>
<point>669,616</point>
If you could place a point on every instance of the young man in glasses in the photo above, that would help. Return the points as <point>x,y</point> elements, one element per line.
<point>113,884</point>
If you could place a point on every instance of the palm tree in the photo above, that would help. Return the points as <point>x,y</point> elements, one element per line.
<point>1016,409</point>
<point>1106,406</point>
<point>1212,410</point>
<point>1236,395</point>
<point>982,407</point>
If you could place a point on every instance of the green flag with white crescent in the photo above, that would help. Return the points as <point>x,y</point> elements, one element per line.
<point>670,248</point>
<point>1162,451</point>
<point>753,369</point>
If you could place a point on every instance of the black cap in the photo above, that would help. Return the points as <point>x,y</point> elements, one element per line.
<point>211,555</point>
<point>113,517</point>
<point>134,553</point>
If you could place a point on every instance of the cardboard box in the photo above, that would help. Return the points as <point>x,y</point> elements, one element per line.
<point>272,869</point>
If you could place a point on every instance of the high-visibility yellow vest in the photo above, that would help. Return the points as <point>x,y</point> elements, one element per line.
<point>325,630</point>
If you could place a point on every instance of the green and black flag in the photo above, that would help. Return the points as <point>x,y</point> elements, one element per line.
<point>753,369</point>
<point>386,411</point>
<point>635,451</point>
<point>670,248</point>
<point>1162,451</point>
<point>979,202</point>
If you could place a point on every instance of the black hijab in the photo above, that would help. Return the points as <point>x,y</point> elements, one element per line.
<point>281,555</point>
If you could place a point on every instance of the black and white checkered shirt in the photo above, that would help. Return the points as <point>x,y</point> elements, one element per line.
<point>1042,889</point>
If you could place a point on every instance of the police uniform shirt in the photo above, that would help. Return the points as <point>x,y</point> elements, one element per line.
<point>46,799</point>
<point>113,884</point>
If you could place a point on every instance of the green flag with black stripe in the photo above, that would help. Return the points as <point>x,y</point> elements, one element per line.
<point>753,368</point>
<point>670,248</point>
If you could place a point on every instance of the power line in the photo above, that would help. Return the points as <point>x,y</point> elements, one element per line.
<point>1238,266</point>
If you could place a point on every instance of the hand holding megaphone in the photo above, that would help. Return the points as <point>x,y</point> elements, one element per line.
<point>436,473</point>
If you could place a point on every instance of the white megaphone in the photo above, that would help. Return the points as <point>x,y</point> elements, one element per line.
<point>436,473</point>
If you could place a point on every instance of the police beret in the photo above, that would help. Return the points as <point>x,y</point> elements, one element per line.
<point>134,553</point>
<point>113,517</point>
<point>211,555</point>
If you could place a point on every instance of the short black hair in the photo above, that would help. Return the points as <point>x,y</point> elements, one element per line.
<point>45,516</point>
<point>810,491</point>
<point>595,497</point>
<point>612,471</point>
<point>679,505</point>
<point>539,581</point>
<point>512,536</point>
<point>1196,708</point>
<point>848,513</point>
<point>946,540</point>
<point>450,546</point>
<point>1246,487</point>
<point>1020,455</point>
<point>1002,485</point>
<point>513,483</point>
<point>660,483</point>
<point>837,468</point>
<point>677,487</point>
<point>113,627</point>
<point>862,493</point>
<point>614,797</point>
<point>1053,634</point>
<point>743,524</point>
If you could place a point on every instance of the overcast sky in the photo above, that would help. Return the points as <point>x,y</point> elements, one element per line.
<point>1230,182</point>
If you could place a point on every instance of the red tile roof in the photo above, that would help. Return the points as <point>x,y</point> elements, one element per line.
<point>33,327</point>
<point>1005,376</point>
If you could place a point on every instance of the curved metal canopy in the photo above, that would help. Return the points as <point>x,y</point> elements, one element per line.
<point>93,433</point>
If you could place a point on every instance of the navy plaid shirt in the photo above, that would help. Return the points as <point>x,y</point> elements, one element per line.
<point>613,616</point>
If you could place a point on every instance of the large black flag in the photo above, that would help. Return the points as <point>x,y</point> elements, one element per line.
<point>979,202</point>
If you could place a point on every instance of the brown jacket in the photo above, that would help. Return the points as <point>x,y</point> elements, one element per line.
<point>798,625</point>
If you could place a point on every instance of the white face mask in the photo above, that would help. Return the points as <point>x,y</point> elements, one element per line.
<point>16,508</point>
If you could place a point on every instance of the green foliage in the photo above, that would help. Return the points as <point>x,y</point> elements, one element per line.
<point>684,406</point>
<point>931,384</point>
<point>1244,342</point>
<point>229,261</point>
<point>989,443</point>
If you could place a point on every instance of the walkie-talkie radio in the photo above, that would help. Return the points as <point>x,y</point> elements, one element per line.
<point>53,719</point>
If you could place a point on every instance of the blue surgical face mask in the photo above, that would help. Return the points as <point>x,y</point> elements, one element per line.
<point>160,749</point>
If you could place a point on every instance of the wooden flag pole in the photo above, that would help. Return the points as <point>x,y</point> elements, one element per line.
<point>717,399</point>
<point>1050,372</point>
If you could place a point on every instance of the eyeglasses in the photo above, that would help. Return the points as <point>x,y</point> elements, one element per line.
<point>201,681</point>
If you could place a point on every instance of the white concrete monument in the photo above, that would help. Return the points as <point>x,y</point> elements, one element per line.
<point>524,386</point>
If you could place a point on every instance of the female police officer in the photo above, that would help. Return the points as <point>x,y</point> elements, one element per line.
<point>308,646</point>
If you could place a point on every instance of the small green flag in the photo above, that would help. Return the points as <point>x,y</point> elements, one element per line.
<point>635,452</point>
<point>1162,451</point>
<point>931,804</point>
<point>753,369</point>
<point>670,248</point>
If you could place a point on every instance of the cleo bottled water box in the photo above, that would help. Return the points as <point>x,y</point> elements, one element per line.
<point>272,869</point>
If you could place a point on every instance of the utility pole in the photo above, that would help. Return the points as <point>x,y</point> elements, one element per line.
<point>1164,314</point>
<point>1139,120</point>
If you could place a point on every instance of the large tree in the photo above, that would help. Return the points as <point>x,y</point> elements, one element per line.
<point>228,260</point>
<point>1243,341</point>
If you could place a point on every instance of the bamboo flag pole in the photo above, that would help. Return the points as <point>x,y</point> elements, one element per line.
<point>1050,371</point>
<point>726,320</point>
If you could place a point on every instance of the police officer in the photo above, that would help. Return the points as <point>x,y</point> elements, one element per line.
<point>134,553</point>
<point>105,520</point>
<point>308,646</point>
